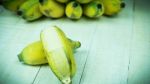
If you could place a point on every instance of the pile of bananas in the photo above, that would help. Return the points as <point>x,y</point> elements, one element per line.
<point>55,49</point>
<point>31,10</point>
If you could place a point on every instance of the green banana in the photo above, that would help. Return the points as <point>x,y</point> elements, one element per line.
<point>73,10</point>
<point>51,8</point>
<point>112,7</point>
<point>33,53</point>
<point>12,5</point>
<point>93,9</point>
<point>84,1</point>
<point>63,1</point>
<point>60,55</point>
<point>30,10</point>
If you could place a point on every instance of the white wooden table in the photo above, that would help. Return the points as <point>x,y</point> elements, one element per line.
<point>114,50</point>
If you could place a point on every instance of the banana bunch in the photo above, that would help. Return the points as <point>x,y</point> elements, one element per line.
<point>32,10</point>
<point>55,49</point>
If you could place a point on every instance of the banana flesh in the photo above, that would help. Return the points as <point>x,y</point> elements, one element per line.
<point>59,55</point>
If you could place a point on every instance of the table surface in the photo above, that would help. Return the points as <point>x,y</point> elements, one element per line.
<point>115,50</point>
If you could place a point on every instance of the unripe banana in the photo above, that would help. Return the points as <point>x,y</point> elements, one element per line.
<point>84,1</point>
<point>63,1</point>
<point>30,10</point>
<point>93,9</point>
<point>112,7</point>
<point>33,53</point>
<point>12,5</point>
<point>73,10</point>
<point>60,55</point>
<point>51,8</point>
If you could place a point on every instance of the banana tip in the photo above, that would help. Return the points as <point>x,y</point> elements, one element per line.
<point>20,57</point>
<point>19,12</point>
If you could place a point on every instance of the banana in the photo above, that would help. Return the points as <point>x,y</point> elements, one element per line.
<point>63,1</point>
<point>93,9</point>
<point>112,7</point>
<point>51,8</point>
<point>59,55</point>
<point>30,10</point>
<point>12,5</point>
<point>73,10</point>
<point>84,1</point>
<point>33,53</point>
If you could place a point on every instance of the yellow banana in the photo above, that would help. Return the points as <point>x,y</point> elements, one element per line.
<point>73,10</point>
<point>63,1</point>
<point>12,5</point>
<point>60,55</point>
<point>93,9</point>
<point>84,1</point>
<point>33,53</point>
<point>51,8</point>
<point>30,10</point>
<point>112,7</point>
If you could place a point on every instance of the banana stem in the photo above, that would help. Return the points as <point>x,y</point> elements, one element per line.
<point>20,58</point>
<point>76,44</point>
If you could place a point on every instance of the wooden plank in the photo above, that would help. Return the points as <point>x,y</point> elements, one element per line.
<point>108,59</point>
<point>13,39</point>
<point>140,56</point>
<point>81,30</point>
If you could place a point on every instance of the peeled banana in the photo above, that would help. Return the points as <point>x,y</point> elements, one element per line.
<point>30,10</point>
<point>33,54</point>
<point>93,9</point>
<point>60,55</point>
<point>12,5</point>
<point>112,7</point>
<point>51,8</point>
<point>84,1</point>
<point>73,10</point>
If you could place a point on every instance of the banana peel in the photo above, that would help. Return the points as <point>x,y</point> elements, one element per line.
<point>51,8</point>
<point>29,10</point>
<point>93,9</point>
<point>112,7</point>
<point>73,10</point>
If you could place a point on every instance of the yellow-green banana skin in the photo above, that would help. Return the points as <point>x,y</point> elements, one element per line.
<point>33,54</point>
<point>51,8</point>
<point>30,10</point>
<point>62,1</point>
<point>84,1</point>
<point>56,54</point>
<point>73,10</point>
<point>112,7</point>
<point>13,5</point>
<point>93,9</point>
